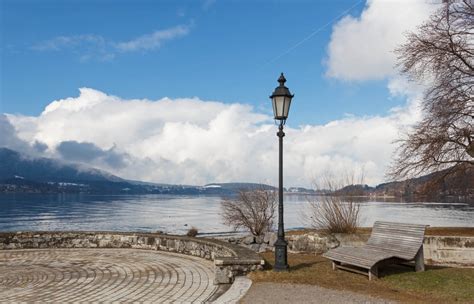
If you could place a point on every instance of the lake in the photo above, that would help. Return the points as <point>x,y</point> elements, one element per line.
<point>176,214</point>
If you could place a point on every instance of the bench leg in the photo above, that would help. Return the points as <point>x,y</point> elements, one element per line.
<point>373,272</point>
<point>420,260</point>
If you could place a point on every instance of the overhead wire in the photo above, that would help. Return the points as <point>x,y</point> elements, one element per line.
<point>289,50</point>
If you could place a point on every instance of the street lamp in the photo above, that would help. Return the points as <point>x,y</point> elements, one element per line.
<point>281,100</point>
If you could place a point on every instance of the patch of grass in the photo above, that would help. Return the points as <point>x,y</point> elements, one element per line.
<point>400,283</point>
<point>456,284</point>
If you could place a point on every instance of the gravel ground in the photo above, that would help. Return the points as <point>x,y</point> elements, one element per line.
<point>296,293</point>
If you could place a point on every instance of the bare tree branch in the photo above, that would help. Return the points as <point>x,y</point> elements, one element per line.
<point>441,50</point>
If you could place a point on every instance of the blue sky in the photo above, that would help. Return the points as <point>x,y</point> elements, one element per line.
<point>231,53</point>
<point>177,91</point>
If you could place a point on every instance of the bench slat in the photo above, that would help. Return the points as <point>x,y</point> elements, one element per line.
<point>360,256</point>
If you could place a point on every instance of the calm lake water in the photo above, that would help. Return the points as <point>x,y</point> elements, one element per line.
<point>175,214</point>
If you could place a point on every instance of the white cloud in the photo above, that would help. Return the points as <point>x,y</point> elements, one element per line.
<point>89,46</point>
<point>62,42</point>
<point>152,41</point>
<point>361,48</point>
<point>206,4</point>
<point>192,141</point>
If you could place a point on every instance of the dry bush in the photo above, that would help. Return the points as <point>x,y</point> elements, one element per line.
<point>336,212</point>
<point>253,210</point>
<point>192,232</point>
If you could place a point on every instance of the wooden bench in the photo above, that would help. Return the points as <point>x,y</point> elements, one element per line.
<point>389,243</point>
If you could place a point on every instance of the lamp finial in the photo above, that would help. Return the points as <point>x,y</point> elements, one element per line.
<point>282,80</point>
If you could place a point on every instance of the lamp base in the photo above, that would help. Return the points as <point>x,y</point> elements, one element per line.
<point>281,256</point>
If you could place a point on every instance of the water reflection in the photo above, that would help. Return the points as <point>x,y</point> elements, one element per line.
<point>176,214</point>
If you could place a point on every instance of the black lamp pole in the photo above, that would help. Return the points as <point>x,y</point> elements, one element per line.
<point>281,99</point>
<point>281,245</point>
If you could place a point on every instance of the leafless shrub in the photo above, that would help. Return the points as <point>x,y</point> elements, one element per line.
<point>192,232</point>
<point>336,212</point>
<point>253,210</point>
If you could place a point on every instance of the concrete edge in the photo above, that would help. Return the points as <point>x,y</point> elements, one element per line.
<point>236,292</point>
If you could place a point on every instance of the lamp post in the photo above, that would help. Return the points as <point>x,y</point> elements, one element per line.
<point>281,100</point>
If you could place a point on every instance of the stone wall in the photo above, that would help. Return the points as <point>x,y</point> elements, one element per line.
<point>438,250</point>
<point>229,259</point>
<point>308,242</point>
<point>449,250</point>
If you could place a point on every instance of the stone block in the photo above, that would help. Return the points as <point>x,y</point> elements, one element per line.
<point>223,275</point>
<point>249,240</point>
<point>351,240</point>
<point>272,239</point>
<point>76,242</point>
<point>266,237</point>
<point>264,248</point>
<point>312,242</point>
<point>150,241</point>
<point>103,243</point>
<point>254,247</point>
<point>259,239</point>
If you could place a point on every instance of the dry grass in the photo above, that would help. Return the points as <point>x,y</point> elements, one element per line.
<point>445,231</point>
<point>400,283</point>
<point>192,232</point>
<point>451,231</point>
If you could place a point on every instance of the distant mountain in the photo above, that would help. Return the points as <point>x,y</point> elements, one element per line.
<point>13,164</point>
<point>21,173</point>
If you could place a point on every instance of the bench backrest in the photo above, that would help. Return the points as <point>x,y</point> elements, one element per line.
<point>402,239</point>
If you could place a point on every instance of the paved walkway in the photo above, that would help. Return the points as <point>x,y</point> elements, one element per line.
<point>277,293</point>
<point>103,275</point>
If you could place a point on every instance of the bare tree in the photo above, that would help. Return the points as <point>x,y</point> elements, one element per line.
<point>442,52</point>
<point>251,209</point>
<point>336,212</point>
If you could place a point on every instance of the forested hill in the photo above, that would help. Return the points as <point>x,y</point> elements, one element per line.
<point>441,185</point>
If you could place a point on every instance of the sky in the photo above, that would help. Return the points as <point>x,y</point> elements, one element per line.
<point>177,91</point>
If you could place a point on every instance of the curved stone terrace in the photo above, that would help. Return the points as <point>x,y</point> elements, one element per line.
<point>118,266</point>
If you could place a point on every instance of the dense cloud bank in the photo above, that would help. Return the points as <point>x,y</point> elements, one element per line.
<point>192,141</point>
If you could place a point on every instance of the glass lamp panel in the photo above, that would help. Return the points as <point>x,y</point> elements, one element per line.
<point>274,107</point>
<point>279,106</point>
<point>286,107</point>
